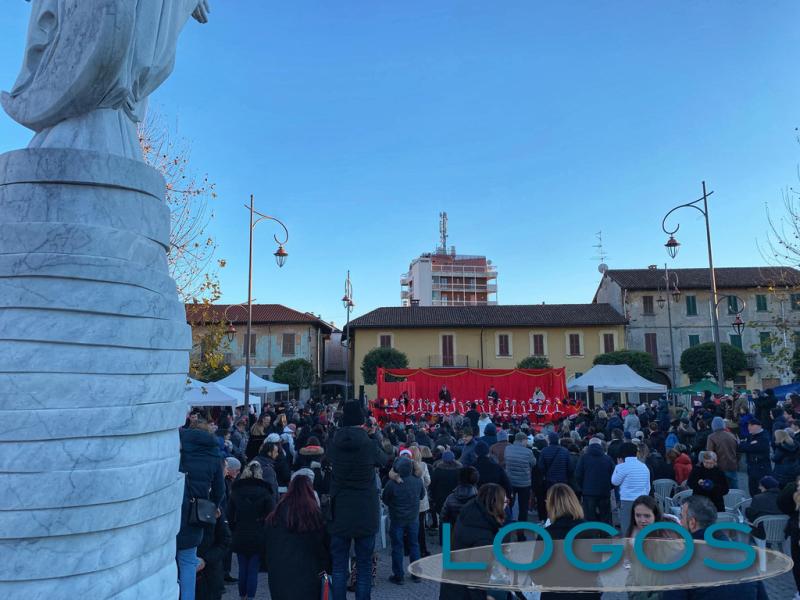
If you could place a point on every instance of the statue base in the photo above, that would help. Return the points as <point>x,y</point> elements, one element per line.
<point>95,353</point>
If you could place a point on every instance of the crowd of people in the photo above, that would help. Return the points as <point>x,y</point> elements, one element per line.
<point>300,492</point>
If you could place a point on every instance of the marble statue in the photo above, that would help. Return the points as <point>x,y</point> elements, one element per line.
<point>89,67</point>
<point>93,336</point>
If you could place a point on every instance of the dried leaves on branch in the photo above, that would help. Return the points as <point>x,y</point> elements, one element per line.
<point>191,250</point>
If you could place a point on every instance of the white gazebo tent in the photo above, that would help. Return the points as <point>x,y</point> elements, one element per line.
<point>213,394</point>
<point>257,385</point>
<point>615,378</point>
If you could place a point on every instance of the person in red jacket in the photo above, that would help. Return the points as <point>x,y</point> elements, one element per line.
<point>681,464</point>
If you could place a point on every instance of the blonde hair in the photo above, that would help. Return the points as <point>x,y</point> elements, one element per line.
<point>562,502</point>
<point>252,471</point>
<point>781,435</point>
<point>257,429</point>
<point>425,452</point>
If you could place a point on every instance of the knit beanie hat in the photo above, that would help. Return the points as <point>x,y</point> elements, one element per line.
<point>717,424</point>
<point>502,435</point>
<point>490,429</point>
<point>352,415</point>
<point>552,438</point>
<point>448,457</point>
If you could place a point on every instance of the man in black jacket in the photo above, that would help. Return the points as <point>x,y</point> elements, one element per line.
<point>757,449</point>
<point>593,476</point>
<point>354,503</point>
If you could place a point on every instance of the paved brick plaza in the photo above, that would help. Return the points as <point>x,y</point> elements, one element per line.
<point>778,588</point>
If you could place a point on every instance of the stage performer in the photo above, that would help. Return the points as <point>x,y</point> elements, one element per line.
<point>491,408</point>
<point>538,395</point>
<point>444,394</point>
<point>492,393</point>
<point>461,409</point>
<point>449,408</point>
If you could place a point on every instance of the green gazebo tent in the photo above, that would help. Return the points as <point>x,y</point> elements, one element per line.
<point>700,387</point>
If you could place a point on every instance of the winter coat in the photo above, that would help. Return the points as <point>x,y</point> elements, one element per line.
<point>757,448</point>
<point>558,530</point>
<point>456,501</point>
<point>466,452</point>
<point>498,452</point>
<point>787,506</point>
<point>554,463</point>
<point>657,442</point>
<point>519,462</point>
<point>253,446</point>
<point>268,473</point>
<point>632,423</point>
<point>421,470</point>
<point>762,505</point>
<point>354,494</point>
<point>250,502</point>
<point>490,472</point>
<point>215,545</point>
<point>202,464</point>
<point>295,561</point>
<point>659,468</point>
<point>723,443</point>
<point>682,467</point>
<point>786,456</point>
<point>313,457</point>
<point>714,488</point>
<point>403,496</point>
<point>474,528</point>
<point>593,472</point>
<point>444,480</point>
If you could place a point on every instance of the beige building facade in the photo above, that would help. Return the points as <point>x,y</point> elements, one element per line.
<point>489,337</point>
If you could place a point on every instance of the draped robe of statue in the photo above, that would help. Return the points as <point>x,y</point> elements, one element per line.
<point>93,336</point>
<point>89,67</point>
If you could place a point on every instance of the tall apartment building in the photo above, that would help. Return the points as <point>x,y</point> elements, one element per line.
<point>445,278</point>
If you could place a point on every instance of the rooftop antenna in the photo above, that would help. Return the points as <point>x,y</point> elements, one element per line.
<point>442,233</point>
<point>601,253</point>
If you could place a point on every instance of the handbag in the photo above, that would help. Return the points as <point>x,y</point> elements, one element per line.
<point>326,591</point>
<point>201,510</point>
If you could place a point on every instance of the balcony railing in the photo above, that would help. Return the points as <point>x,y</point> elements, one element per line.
<point>446,302</point>
<point>438,361</point>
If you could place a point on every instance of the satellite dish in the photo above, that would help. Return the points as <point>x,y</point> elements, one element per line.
<point>602,267</point>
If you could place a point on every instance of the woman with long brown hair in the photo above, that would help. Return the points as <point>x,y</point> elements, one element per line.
<point>297,544</point>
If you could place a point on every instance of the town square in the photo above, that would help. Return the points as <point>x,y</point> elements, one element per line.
<point>435,300</point>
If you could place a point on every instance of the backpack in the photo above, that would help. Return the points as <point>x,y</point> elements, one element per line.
<point>671,441</point>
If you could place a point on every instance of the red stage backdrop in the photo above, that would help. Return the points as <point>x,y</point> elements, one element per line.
<point>473,384</point>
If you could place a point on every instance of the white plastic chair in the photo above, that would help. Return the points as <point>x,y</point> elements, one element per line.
<point>664,487</point>
<point>734,497</point>
<point>740,508</point>
<point>678,498</point>
<point>774,530</point>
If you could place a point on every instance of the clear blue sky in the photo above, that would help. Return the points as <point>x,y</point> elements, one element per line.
<point>533,124</point>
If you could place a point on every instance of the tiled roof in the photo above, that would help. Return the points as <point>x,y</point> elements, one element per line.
<point>262,314</point>
<point>698,279</point>
<point>522,315</point>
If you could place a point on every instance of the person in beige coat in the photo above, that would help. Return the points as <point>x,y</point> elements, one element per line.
<point>723,443</point>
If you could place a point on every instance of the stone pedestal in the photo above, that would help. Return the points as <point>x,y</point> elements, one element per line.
<point>94,346</point>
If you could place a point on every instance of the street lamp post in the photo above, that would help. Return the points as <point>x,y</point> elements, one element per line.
<point>280,257</point>
<point>672,246</point>
<point>347,302</point>
<point>672,292</point>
